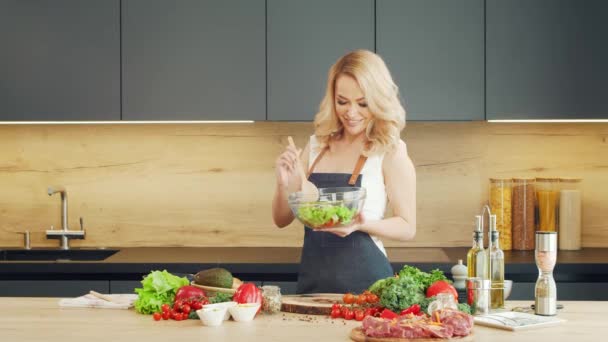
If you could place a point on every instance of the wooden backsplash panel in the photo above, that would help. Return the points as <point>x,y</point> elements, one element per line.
<point>212,185</point>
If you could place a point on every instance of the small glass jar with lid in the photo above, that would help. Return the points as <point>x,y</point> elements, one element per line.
<point>271,302</point>
<point>522,220</point>
<point>570,218</point>
<point>500,205</point>
<point>547,204</point>
<point>442,301</point>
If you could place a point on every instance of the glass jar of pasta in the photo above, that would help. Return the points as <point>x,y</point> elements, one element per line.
<point>547,204</point>
<point>570,218</point>
<point>522,206</point>
<point>500,204</point>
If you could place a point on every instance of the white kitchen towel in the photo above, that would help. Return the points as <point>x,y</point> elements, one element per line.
<point>119,301</point>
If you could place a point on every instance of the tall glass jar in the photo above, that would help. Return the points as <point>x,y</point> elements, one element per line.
<point>500,204</point>
<point>547,201</point>
<point>570,216</point>
<point>522,206</point>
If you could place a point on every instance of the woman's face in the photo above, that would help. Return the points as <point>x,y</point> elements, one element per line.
<point>351,105</point>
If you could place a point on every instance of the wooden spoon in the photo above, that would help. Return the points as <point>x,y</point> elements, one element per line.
<point>308,188</point>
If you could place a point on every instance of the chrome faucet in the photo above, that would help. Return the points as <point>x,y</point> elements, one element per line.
<point>65,233</point>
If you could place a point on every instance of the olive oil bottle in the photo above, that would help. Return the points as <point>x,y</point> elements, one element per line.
<point>497,268</point>
<point>477,258</point>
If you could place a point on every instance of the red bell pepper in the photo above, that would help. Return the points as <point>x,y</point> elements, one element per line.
<point>414,309</point>
<point>386,313</point>
<point>248,293</point>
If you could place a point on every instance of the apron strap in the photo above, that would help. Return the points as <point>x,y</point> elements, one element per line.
<point>356,172</point>
<point>353,179</point>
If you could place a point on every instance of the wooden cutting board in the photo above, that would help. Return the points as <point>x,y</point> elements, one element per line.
<point>310,304</point>
<point>358,335</point>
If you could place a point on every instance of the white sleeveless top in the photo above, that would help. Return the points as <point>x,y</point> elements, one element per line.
<point>372,181</point>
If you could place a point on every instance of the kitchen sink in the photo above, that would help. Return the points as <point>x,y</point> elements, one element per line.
<point>56,254</point>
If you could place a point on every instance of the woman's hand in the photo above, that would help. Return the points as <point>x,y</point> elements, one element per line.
<point>357,223</point>
<point>286,167</point>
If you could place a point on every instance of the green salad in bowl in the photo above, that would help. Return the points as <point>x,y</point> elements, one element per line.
<point>335,207</point>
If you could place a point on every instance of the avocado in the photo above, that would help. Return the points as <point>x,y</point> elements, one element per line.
<point>216,277</point>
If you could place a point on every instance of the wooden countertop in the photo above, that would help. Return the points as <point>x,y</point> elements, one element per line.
<point>40,319</point>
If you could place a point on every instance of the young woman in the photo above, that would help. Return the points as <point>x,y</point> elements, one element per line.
<point>357,131</point>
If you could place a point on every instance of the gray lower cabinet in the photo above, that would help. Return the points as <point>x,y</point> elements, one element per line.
<point>124,286</point>
<point>435,51</point>
<point>546,59</point>
<point>60,60</point>
<point>51,288</point>
<point>193,60</point>
<point>304,39</point>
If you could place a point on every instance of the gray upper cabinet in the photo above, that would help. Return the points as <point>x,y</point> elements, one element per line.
<point>435,51</point>
<point>193,60</point>
<point>547,59</point>
<point>304,39</point>
<point>60,60</point>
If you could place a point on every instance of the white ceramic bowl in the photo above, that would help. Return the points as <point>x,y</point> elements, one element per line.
<point>508,287</point>
<point>212,316</point>
<point>244,312</point>
<point>221,305</point>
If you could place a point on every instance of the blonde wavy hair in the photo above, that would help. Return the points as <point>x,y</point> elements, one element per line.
<point>381,94</point>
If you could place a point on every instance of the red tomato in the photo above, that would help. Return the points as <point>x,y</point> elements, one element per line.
<point>166,315</point>
<point>349,314</point>
<point>196,306</point>
<point>348,298</point>
<point>336,306</point>
<point>156,316</point>
<point>186,309</point>
<point>372,298</point>
<point>329,224</point>
<point>336,313</point>
<point>441,286</point>
<point>359,314</point>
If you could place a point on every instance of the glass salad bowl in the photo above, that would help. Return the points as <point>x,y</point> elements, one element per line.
<point>335,207</point>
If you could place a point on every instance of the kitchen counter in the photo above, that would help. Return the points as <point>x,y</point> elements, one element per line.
<point>40,319</point>
<point>281,263</point>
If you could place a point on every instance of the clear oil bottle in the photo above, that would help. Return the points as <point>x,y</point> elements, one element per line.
<point>477,259</point>
<point>497,268</point>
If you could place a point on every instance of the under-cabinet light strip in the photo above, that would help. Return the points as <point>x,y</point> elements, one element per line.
<point>550,121</point>
<point>122,122</point>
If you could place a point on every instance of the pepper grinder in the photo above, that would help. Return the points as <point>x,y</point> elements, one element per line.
<point>459,273</point>
<point>545,254</point>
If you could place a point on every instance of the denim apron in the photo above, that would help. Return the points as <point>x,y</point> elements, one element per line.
<point>332,264</point>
